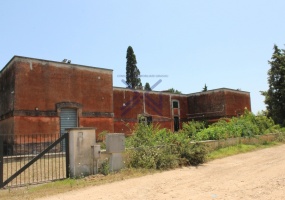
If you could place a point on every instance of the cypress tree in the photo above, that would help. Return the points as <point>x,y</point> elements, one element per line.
<point>275,95</point>
<point>132,71</point>
<point>205,88</point>
<point>147,86</point>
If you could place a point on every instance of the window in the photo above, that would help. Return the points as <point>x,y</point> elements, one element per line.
<point>175,104</point>
<point>147,120</point>
<point>176,124</point>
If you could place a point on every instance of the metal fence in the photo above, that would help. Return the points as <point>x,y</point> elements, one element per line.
<point>32,159</point>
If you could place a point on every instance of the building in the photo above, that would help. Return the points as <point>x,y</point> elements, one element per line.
<point>131,106</point>
<point>46,97</point>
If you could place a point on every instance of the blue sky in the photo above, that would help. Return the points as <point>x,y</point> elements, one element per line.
<point>190,43</point>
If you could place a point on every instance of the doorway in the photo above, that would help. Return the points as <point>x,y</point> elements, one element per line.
<point>176,124</point>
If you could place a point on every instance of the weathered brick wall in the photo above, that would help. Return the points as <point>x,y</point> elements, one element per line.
<point>236,102</point>
<point>7,126</point>
<point>41,85</point>
<point>7,89</point>
<point>206,105</point>
<point>128,104</point>
<point>27,125</point>
<point>100,123</point>
<point>214,104</point>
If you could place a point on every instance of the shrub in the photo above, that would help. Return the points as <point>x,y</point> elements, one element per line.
<point>196,154</point>
<point>191,128</point>
<point>152,158</point>
<point>156,148</point>
<point>142,157</point>
<point>105,167</point>
<point>246,125</point>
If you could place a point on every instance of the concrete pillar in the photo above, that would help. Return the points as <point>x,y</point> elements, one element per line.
<point>81,151</point>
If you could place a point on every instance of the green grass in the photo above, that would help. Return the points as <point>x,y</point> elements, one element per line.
<point>241,148</point>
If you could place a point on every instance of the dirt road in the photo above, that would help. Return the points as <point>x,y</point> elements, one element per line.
<point>255,175</point>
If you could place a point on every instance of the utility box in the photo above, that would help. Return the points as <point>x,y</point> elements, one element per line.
<point>115,142</point>
<point>81,141</point>
<point>115,145</point>
<point>97,151</point>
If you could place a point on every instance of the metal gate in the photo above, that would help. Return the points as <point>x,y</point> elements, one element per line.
<point>68,119</point>
<point>32,159</point>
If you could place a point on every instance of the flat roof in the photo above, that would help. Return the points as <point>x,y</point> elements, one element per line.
<point>15,58</point>
<point>217,90</point>
<point>147,91</point>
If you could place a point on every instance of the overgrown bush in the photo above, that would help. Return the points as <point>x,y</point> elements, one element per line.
<point>195,154</point>
<point>247,125</point>
<point>153,158</point>
<point>280,134</point>
<point>191,128</point>
<point>156,148</point>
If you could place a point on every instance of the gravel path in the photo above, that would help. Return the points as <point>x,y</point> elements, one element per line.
<point>254,175</point>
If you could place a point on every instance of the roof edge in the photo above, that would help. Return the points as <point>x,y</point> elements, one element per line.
<point>217,90</point>
<point>43,60</point>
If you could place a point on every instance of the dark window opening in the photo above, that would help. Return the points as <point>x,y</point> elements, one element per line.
<point>147,120</point>
<point>175,104</point>
<point>176,124</point>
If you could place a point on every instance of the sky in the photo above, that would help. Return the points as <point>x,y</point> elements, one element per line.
<point>185,43</point>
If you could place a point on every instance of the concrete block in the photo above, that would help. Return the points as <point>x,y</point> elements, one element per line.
<point>115,142</point>
<point>116,161</point>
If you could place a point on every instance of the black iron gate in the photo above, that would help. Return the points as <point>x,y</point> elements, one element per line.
<point>33,159</point>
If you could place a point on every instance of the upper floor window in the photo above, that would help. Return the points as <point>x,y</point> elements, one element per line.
<point>175,104</point>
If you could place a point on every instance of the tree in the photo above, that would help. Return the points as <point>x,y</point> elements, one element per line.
<point>205,88</point>
<point>147,86</point>
<point>132,72</point>
<point>275,95</point>
<point>172,90</point>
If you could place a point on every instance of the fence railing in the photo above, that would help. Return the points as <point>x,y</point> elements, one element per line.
<point>31,159</point>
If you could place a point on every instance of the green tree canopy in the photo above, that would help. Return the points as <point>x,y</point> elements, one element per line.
<point>132,71</point>
<point>275,95</point>
<point>172,90</point>
<point>147,86</point>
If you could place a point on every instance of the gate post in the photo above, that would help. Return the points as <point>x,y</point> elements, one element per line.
<point>67,163</point>
<point>1,161</point>
<point>81,141</point>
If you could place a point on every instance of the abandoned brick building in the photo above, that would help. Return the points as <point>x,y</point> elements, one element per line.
<point>46,97</point>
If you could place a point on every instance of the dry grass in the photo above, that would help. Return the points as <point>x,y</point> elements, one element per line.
<point>35,191</point>
<point>49,168</point>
